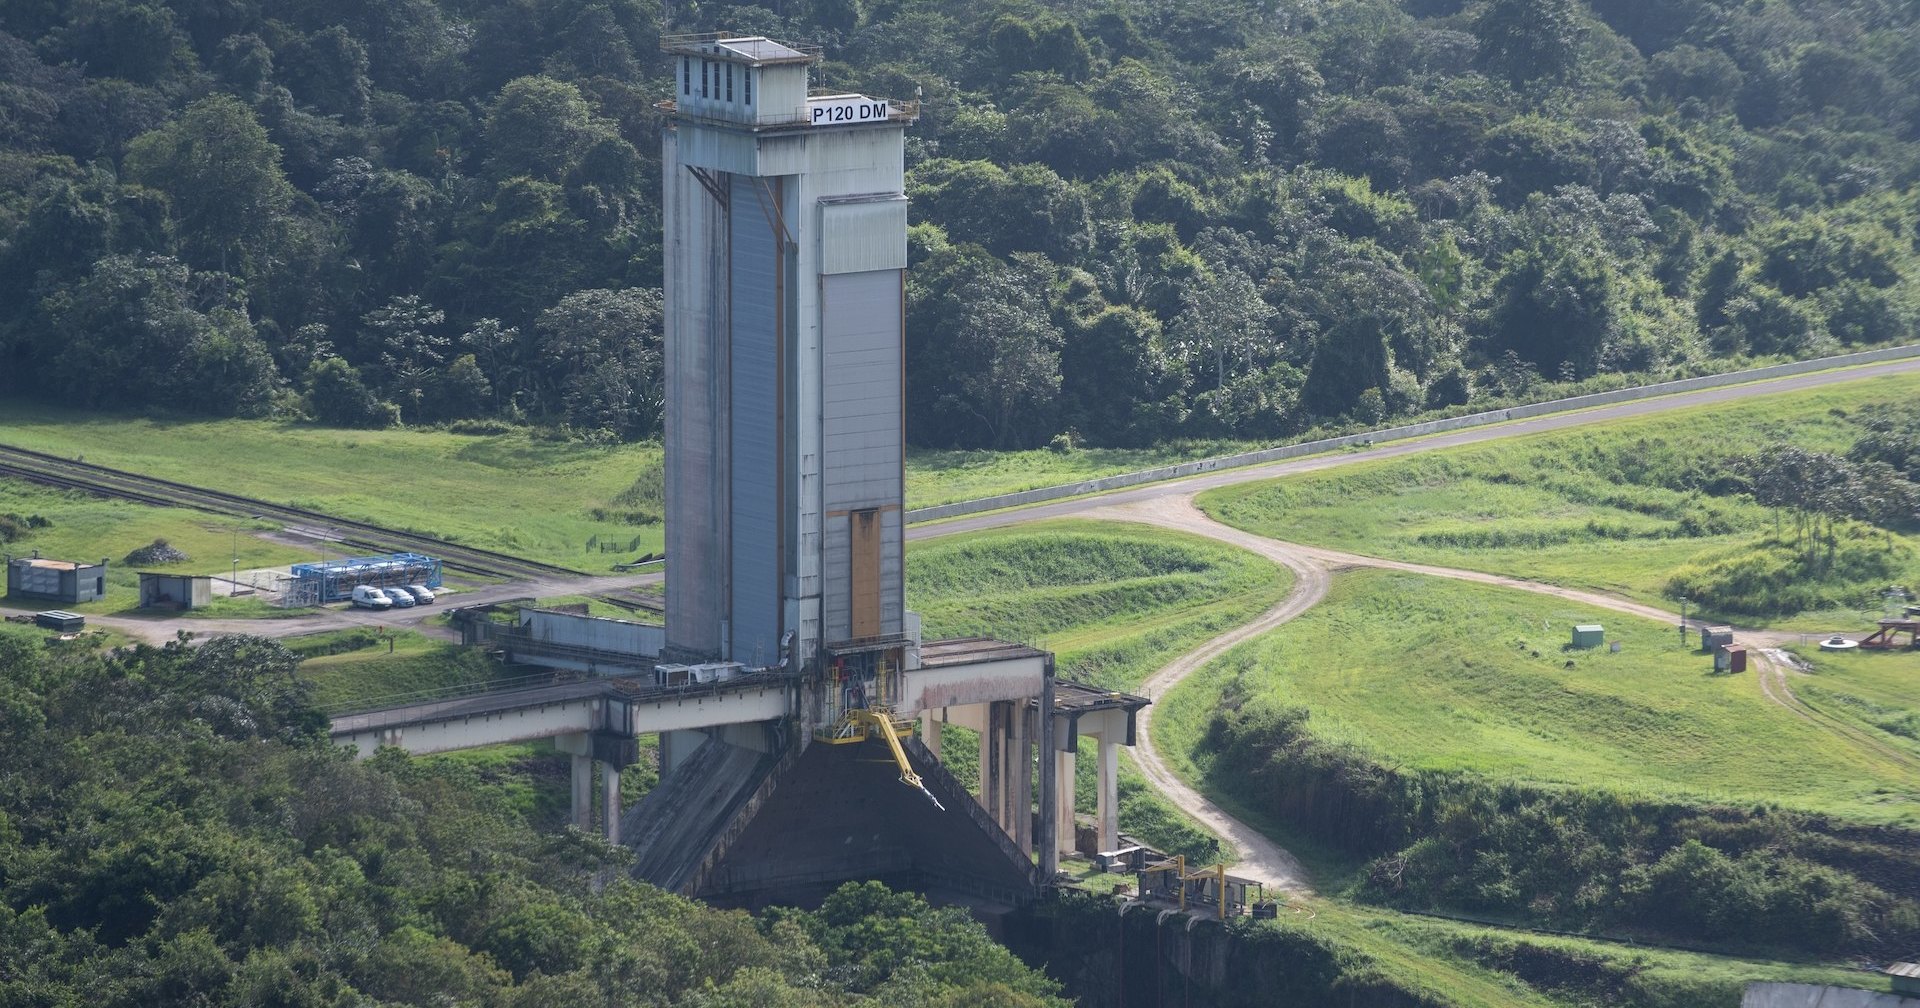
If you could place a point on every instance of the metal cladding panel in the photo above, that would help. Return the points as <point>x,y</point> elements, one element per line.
<point>893,573</point>
<point>861,235</point>
<point>860,335</point>
<point>718,148</point>
<point>836,619</point>
<point>696,410</point>
<point>757,436</point>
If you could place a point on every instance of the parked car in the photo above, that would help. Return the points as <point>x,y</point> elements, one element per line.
<point>369,597</point>
<point>401,597</point>
<point>421,593</point>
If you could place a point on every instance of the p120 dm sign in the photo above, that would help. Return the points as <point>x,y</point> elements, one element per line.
<point>841,110</point>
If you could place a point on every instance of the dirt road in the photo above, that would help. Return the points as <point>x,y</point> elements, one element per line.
<point>1259,857</point>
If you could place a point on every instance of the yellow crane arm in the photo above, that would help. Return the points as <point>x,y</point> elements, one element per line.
<point>884,724</point>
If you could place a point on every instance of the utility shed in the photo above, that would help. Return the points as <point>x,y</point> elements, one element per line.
<point>1730,658</point>
<point>67,581</point>
<point>1906,977</point>
<point>175,591</point>
<point>1713,636</point>
<point>1589,635</point>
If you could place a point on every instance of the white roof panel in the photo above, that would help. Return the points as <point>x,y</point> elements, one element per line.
<point>759,48</point>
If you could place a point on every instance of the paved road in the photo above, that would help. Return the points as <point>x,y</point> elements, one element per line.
<point>159,628</point>
<point>1475,435</point>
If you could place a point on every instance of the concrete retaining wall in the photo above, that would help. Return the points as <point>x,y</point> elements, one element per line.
<point>1195,468</point>
<point>593,633</point>
<point>1786,995</point>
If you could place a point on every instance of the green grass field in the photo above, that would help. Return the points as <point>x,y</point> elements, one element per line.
<point>1393,663</point>
<point>545,500</point>
<point>1581,508</point>
<point>1113,602</point>
<point>356,666</point>
<point>944,476</point>
<point>1472,966</point>
<point>1878,690</point>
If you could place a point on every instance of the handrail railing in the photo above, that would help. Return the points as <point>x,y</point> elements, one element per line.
<point>368,705</point>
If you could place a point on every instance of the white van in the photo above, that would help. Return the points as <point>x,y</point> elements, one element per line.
<point>369,597</point>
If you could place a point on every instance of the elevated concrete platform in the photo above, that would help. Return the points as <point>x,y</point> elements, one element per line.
<point>624,706</point>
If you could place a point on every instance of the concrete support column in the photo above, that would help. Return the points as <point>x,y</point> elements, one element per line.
<point>1003,765</point>
<point>930,722</point>
<point>1063,770</point>
<point>1109,810</point>
<point>610,800</point>
<point>1048,840</point>
<point>582,791</point>
<point>989,769</point>
<point>1020,763</point>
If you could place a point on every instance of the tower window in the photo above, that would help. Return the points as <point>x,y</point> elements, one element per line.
<point>729,82</point>
<point>705,67</point>
<point>747,84</point>
<point>686,75</point>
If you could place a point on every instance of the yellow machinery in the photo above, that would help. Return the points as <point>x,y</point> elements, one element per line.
<point>1170,879</point>
<point>874,714</point>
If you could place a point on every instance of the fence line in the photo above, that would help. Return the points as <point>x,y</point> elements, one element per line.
<point>1197,467</point>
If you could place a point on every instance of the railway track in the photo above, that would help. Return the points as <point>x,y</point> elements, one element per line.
<point>67,474</point>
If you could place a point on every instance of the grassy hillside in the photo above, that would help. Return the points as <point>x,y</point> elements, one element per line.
<point>546,500</point>
<point>1595,508</point>
<point>1393,664</point>
<point>356,666</point>
<point>1114,602</point>
<point>1465,964</point>
<point>1879,690</point>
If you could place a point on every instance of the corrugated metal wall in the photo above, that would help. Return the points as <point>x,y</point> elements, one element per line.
<point>696,437</point>
<point>754,273</point>
<point>860,335</point>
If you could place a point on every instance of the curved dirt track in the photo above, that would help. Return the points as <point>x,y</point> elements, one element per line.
<point>1312,567</point>
<point>1260,858</point>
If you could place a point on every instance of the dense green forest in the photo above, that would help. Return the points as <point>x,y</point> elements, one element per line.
<point>1133,221</point>
<point>175,830</point>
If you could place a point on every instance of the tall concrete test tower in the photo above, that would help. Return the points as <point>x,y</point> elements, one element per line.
<point>785,271</point>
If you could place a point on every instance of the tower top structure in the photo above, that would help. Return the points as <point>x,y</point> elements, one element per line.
<point>759,83</point>
<point>785,256</point>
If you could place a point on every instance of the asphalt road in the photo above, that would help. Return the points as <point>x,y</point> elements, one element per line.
<point>1475,435</point>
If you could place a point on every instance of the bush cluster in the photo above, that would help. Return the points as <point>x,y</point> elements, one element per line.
<point>1575,858</point>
